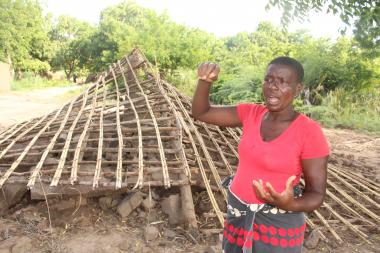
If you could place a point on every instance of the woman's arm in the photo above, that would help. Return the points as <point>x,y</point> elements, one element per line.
<point>315,175</point>
<point>201,108</point>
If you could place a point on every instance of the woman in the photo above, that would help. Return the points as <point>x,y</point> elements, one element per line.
<point>265,205</point>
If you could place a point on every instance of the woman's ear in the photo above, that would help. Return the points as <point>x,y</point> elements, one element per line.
<point>299,88</point>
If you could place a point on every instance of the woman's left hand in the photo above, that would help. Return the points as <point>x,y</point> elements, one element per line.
<point>283,200</point>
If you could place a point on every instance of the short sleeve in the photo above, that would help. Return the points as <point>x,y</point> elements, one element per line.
<point>315,143</point>
<point>243,111</point>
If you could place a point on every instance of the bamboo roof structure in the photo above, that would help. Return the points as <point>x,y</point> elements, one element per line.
<point>131,129</point>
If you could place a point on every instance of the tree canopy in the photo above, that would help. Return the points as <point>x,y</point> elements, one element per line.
<point>362,15</point>
<point>23,35</point>
<point>341,76</point>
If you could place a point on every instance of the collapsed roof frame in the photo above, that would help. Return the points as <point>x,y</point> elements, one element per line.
<point>132,129</point>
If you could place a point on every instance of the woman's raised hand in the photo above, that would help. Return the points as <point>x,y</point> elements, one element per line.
<point>208,72</point>
<point>283,200</point>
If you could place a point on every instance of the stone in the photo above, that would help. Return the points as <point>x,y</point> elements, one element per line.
<point>51,160</point>
<point>4,234</point>
<point>155,196</point>
<point>16,244</point>
<point>129,203</point>
<point>10,195</point>
<point>151,233</point>
<point>147,249</point>
<point>152,216</point>
<point>29,215</point>
<point>142,214</point>
<point>106,203</point>
<point>220,236</point>
<point>172,207</point>
<point>311,241</point>
<point>148,204</point>
<point>62,137</point>
<point>23,245</point>
<point>111,156</point>
<point>125,246</point>
<point>68,204</point>
<point>86,191</point>
<point>43,225</point>
<point>213,249</point>
<point>169,234</point>
<point>157,176</point>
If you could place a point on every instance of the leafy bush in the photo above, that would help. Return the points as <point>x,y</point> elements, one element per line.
<point>341,108</point>
<point>30,82</point>
<point>245,86</point>
<point>184,79</point>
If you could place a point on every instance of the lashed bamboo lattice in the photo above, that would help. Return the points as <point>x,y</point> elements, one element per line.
<point>131,129</point>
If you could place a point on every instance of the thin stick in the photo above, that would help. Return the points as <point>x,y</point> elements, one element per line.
<point>159,142</point>
<point>48,148</point>
<point>354,189</point>
<point>100,142</point>
<point>353,201</point>
<point>220,151</point>
<point>62,159</point>
<point>218,212</point>
<point>313,226</point>
<point>233,150</point>
<point>140,178</point>
<point>16,131</point>
<point>78,151</point>
<point>348,224</point>
<point>21,135</point>
<point>324,221</point>
<point>351,178</point>
<point>8,130</point>
<point>26,150</point>
<point>119,134</point>
<point>47,204</point>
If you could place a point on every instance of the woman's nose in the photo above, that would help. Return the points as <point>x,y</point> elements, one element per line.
<point>272,84</point>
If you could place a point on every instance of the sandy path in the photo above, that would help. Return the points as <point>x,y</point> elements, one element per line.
<point>16,107</point>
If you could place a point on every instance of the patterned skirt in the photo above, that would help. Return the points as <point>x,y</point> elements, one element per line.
<point>262,228</point>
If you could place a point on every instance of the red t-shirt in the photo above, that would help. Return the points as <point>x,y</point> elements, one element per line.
<point>274,161</point>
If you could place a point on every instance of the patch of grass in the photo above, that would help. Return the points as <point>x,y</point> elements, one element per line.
<point>71,94</point>
<point>30,82</point>
<point>184,79</point>
<point>343,109</point>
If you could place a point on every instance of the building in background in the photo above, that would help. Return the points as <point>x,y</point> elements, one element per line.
<point>5,76</point>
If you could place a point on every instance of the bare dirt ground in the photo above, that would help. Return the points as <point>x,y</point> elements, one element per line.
<point>19,106</point>
<point>355,146</point>
<point>91,228</point>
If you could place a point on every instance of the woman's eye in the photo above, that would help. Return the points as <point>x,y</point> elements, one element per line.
<point>268,79</point>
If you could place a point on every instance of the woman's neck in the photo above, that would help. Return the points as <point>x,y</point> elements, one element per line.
<point>288,115</point>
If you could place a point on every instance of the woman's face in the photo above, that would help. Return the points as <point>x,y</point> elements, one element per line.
<point>280,86</point>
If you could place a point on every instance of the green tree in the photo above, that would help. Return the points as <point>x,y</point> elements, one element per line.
<point>23,35</point>
<point>172,45</point>
<point>71,39</point>
<point>363,15</point>
<point>328,65</point>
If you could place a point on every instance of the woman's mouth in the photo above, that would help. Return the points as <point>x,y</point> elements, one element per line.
<point>273,100</point>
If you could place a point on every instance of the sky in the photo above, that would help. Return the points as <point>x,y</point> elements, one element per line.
<point>222,18</point>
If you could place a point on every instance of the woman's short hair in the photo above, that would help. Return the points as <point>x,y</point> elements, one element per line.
<point>293,63</point>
